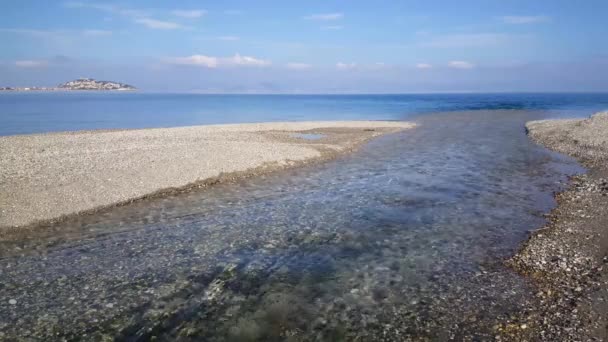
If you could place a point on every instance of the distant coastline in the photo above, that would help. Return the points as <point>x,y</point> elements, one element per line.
<point>87,84</point>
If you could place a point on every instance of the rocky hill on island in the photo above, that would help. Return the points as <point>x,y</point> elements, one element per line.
<point>91,84</point>
<point>78,84</point>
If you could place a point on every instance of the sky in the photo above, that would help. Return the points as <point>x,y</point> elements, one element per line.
<point>312,46</point>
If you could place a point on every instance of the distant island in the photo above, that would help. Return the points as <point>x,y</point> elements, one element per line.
<point>78,84</point>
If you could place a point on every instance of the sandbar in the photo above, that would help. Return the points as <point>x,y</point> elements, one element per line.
<point>47,177</point>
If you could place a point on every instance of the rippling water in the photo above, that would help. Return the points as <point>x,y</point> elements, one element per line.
<point>22,113</point>
<point>404,238</point>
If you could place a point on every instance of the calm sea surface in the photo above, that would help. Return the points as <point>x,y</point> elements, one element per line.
<point>404,239</point>
<point>24,113</point>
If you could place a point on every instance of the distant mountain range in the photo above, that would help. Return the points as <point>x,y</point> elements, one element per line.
<point>78,84</point>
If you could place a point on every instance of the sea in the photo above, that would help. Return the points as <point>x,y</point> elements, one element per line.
<point>404,239</point>
<point>39,112</point>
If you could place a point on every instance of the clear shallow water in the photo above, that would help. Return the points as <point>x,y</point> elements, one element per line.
<point>23,113</point>
<point>308,136</point>
<point>404,238</point>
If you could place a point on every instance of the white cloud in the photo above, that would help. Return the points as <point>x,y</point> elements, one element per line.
<point>346,66</point>
<point>228,38</point>
<point>158,24</point>
<point>214,62</point>
<point>107,8</point>
<point>461,65</point>
<point>332,27</point>
<point>298,66</point>
<point>325,16</point>
<point>246,60</point>
<point>517,20</point>
<point>197,60</point>
<point>424,66</point>
<point>138,16</point>
<point>31,64</point>
<point>191,14</point>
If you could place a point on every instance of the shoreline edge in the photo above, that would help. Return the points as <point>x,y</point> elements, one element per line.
<point>47,178</point>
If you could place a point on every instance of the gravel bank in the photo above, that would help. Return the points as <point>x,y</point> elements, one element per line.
<point>45,177</point>
<point>568,257</point>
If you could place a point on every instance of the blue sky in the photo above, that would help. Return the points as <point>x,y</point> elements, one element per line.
<point>309,46</point>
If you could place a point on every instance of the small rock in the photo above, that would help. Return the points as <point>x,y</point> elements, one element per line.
<point>555,259</point>
<point>12,301</point>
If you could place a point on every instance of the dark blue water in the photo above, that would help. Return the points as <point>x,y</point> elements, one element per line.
<point>24,113</point>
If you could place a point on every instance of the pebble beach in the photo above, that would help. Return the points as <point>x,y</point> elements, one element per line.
<point>45,177</point>
<point>567,258</point>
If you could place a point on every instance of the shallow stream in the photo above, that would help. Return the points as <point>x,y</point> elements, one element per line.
<point>404,238</point>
